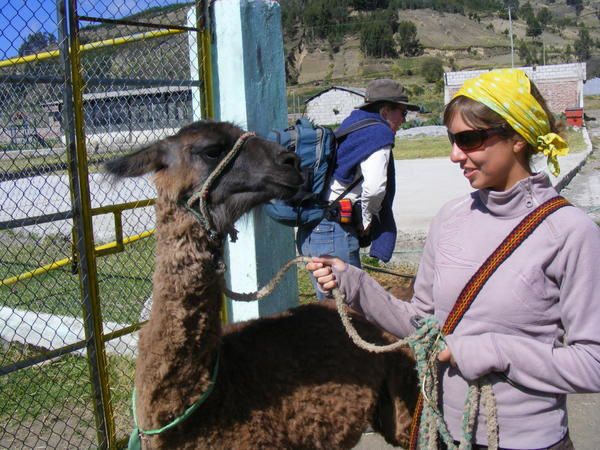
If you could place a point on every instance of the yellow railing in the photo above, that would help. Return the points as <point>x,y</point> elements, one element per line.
<point>91,46</point>
<point>63,262</point>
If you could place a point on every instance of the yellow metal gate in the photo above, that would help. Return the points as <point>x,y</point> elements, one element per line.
<point>80,84</point>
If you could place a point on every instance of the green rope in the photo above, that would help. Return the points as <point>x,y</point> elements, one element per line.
<point>134,438</point>
<point>426,344</point>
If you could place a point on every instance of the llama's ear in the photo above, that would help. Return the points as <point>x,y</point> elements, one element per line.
<point>148,159</point>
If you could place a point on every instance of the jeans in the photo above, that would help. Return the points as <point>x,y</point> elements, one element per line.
<point>328,238</point>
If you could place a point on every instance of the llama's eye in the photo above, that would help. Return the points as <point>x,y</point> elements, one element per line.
<point>211,152</point>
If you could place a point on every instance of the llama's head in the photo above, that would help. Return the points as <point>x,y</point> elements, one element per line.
<point>260,171</point>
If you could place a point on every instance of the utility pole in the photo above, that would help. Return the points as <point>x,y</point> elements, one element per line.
<point>293,104</point>
<point>512,49</point>
<point>543,52</point>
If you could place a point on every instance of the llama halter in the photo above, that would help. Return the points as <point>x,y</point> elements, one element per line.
<point>135,442</point>
<point>204,215</point>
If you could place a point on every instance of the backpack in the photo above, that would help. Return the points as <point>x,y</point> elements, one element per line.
<point>316,147</point>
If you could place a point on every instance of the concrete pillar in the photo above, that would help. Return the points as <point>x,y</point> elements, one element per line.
<point>250,91</point>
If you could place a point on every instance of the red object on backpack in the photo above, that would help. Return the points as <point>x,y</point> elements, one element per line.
<point>345,211</point>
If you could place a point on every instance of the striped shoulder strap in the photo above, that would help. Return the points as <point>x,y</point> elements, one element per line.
<point>477,281</point>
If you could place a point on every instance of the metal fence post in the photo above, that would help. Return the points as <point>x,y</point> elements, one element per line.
<point>82,220</point>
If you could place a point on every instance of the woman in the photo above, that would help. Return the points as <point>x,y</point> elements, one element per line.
<point>533,328</point>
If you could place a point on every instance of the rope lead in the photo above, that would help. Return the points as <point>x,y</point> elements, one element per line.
<point>426,343</point>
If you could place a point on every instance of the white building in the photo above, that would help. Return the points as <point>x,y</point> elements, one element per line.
<point>560,84</point>
<point>333,105</point>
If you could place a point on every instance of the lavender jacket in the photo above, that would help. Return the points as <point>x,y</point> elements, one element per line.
<point>536,321</point>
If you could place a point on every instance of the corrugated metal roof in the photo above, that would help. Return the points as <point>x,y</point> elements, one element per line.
<point>128,93</point>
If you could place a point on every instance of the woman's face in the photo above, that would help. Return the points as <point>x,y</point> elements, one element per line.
<point>497,164</point>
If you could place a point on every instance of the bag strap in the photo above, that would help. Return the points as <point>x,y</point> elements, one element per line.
<point>501,254</point>
<point>348,189</point>
<point>339,134</point>
<point>483,274</point>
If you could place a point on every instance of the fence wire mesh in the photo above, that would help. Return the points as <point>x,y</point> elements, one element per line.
<point>136,80</point>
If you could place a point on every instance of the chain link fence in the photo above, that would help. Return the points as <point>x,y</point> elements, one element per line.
<point>81,82</point>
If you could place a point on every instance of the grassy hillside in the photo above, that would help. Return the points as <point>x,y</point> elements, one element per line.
<point>323,45</point>
<point>462,41</point>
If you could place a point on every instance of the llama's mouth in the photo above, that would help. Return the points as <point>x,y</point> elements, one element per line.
<point>289,188</point>
<point>287,185</point>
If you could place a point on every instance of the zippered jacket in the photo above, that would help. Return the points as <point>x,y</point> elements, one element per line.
<point>534,328</point>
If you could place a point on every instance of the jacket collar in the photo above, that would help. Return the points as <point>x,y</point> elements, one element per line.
<point>520,199</point>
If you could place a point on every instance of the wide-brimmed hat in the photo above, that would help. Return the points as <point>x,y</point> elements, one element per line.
<point>385,90</point>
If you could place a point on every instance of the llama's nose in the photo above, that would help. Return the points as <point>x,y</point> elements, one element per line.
<point>290,159</point>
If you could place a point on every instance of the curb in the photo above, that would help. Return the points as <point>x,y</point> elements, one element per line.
<point>564,181</point>
<point>53,332</point>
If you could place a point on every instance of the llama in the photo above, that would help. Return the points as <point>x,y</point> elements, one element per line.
<point>292,381</point>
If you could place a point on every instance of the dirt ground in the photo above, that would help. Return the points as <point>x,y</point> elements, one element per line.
<point>396,278</point>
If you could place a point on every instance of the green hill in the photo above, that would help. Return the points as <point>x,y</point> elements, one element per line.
<point>325,41</point>
<point>348,42</point>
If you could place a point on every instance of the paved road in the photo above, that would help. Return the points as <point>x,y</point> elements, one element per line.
<point>435,181</point>
<point>584,192</point>
<point>50,194</point>
<point>424,185</point>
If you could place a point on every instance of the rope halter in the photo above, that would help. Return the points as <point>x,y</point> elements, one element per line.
<point>204,215</point>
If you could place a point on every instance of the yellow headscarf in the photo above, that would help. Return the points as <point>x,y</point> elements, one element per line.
<point>508,93</point>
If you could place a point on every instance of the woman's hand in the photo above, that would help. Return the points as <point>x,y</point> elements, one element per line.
<point>321,269</point>
<point>446,356</point>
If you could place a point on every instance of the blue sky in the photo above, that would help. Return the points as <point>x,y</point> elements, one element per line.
<point>20,18</point>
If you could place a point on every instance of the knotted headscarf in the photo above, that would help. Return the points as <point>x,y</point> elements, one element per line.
<point>508,93</point>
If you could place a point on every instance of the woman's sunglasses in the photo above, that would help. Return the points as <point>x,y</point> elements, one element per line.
<point>473,139</point>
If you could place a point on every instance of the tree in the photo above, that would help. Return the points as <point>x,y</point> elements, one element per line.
<point>291,15</point>
<point>544,17</point>
<point>36,42</point>
<point>583,44</point>
<point>526,11</point>
<point>432,69</point>
<point>369,5</point>
<point>534,29</point>
<point>528,53</point>
<point>317,17</point>
<point>322,18</point>
<point>377,34</point>
<point>577,5</point>
<point>376,39</point>
<point>513,5</point>
<point>408,40</point>
<point>568,53</point>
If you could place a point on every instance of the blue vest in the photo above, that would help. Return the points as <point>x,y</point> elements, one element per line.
<point>353,150</point>
<point>360,144</point>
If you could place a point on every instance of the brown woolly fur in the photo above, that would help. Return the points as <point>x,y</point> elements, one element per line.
<point>293,381</point>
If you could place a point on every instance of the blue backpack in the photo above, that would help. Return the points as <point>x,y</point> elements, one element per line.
<point>316,147</point>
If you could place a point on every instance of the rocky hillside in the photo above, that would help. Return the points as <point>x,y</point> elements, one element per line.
<point>461,41</point>
<point>348,42</point>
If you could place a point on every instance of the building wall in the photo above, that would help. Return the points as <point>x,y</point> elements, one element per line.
<point>332,107</point>
<point>560,84</point>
